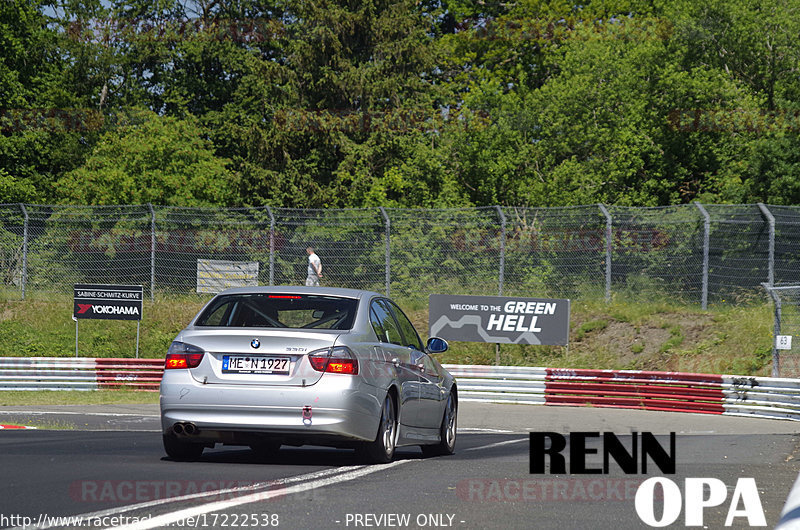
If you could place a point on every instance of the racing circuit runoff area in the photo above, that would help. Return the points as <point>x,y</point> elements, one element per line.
<point>104,466</point>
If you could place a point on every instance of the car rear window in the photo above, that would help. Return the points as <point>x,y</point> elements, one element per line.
<point>280,311</point>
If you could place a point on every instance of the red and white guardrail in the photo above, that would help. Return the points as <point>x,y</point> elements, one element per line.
<point>60,373</point>
<point>670,391</point>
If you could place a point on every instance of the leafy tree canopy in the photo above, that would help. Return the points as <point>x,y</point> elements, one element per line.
<point>400,102</point>
<point>152,159</point>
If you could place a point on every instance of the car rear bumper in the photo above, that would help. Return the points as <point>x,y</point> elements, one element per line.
<point>338,407</point>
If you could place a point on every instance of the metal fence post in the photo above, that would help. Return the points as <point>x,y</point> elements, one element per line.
<point>388,223</point>
<point>608,250</point>
<point>24,278</point>
<point>152,251</point>
<point>502,272</point>
<point>771,264</point>
<point>271,246</point>
<point>706,250</point>
<point>776,329</point>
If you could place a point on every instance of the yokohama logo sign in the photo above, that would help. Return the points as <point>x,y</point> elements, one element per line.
<point>118,302</point>
<point>107,309</point>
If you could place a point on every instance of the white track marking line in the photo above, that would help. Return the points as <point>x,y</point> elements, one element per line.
<point>255,497</point>
<point>478,430</point>
<point>324,479</point>
<point>172,517</point>
<point>77,428</point>
<point>227,491</point>
<point>498,444</point>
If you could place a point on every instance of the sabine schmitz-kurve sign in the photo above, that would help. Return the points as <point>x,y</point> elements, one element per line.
<point>110,302</point>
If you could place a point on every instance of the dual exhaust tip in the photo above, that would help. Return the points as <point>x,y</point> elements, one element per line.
<point>186,428</point>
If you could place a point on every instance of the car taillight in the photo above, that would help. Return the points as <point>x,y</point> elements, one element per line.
<point>338,360</point>
<point>183,355</point>
<point>183,360</point>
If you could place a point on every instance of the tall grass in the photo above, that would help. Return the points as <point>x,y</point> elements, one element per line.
<point>652,333</point>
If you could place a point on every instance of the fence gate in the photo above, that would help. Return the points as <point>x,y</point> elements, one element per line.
<point>786,340</point>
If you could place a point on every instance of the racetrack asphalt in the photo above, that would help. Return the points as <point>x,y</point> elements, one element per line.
<point>108,461</point>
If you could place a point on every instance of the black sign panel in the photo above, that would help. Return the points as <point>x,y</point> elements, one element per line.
<point>507,320</point>
<point>110,302</point>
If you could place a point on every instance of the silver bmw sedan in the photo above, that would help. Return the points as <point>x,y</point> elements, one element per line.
<point>271,366</point>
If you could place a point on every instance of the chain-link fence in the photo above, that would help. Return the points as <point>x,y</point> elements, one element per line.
<point>786,341</point>
<point>692,253</point>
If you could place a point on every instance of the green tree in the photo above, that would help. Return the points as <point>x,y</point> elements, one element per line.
<point>152,159</point>
<point>361,79</point>
<point>42,133</point>
<point>597,124</point>
<point>15,190</point>
<point>755,45</point>
<point>399,102</point>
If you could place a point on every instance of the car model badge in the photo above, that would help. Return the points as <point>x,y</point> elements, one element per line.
<point>255,343</point>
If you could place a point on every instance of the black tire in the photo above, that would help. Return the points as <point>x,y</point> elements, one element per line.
<point>447,431</point>
<point>381,449</point>
<point>180,450</point>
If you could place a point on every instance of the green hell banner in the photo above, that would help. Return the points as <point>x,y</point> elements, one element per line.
<point>499,319</point>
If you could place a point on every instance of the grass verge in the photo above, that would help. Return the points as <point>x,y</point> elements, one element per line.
<point>645,335</point>
<point>66,397</point>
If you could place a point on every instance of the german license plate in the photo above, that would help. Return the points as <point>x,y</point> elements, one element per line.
<point>248,364</point>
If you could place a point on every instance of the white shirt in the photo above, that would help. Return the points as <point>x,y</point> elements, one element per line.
<point>313,260</point>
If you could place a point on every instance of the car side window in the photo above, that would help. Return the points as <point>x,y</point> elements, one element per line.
<point>412,339</point>
<point>376,324</point>
<point>219,316</point>
<point>384,324</point>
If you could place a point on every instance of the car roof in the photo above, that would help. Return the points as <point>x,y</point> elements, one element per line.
<point>294,289</point>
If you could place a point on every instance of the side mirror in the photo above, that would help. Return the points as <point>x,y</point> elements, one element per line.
<point>436,345</point>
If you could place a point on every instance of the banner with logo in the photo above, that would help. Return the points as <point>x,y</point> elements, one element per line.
<point>109,302</point>
<point>214,275</point>
<point>499,319</point>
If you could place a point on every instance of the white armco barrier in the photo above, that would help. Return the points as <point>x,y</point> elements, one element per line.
<point>61,373</point>
<point>765,397</point>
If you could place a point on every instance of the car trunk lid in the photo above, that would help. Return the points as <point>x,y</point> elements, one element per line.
<point>257,356</point>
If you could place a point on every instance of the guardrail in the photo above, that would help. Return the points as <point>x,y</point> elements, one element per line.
<point>766,397</point>
<point>59,373</point>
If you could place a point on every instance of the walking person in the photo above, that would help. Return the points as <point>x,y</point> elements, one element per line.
<point>314,268</point>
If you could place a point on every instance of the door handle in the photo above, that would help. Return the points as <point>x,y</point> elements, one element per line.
<point>396,361</point>
<point>421,367</point>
